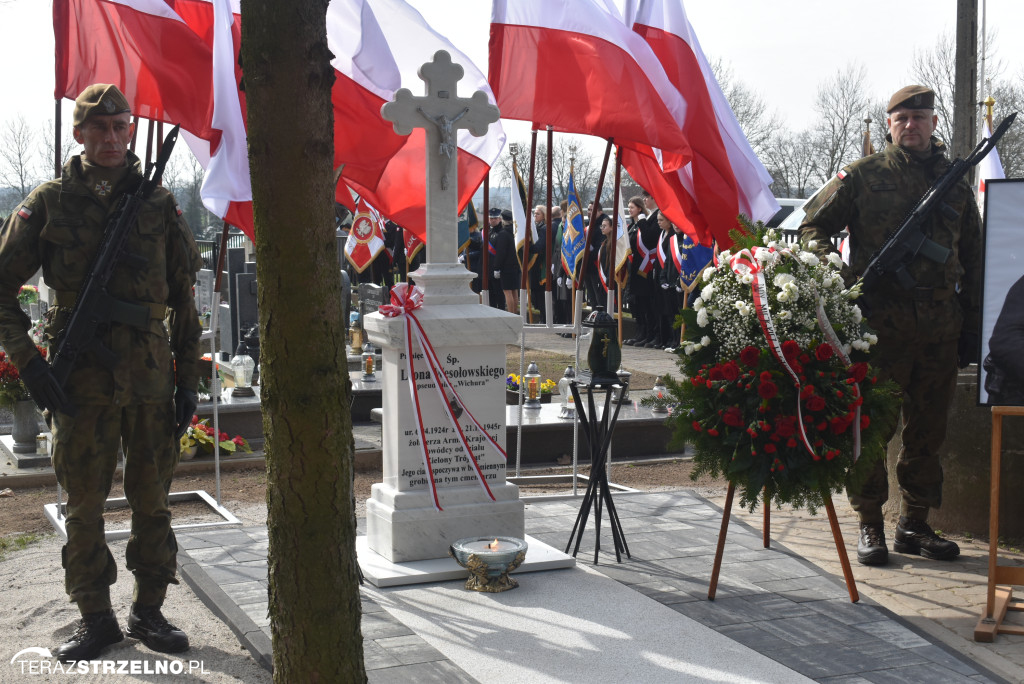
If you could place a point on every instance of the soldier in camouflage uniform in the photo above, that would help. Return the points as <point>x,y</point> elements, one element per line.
<point>148,396</point>
<point>922,332</point>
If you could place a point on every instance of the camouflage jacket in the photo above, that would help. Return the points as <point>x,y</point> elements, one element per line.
<point>873,195</point>
<point>58,228</point>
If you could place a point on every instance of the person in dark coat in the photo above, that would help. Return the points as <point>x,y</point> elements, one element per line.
<point>1004,365</point>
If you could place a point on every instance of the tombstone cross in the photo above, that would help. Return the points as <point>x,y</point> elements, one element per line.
<point>441,112</point>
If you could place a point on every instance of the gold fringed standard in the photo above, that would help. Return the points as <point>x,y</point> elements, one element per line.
<point>844,559</point>
<point>999,598</point>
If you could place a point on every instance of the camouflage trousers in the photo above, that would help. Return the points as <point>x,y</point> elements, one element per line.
<point>84,458</point>
<point>917,348</point>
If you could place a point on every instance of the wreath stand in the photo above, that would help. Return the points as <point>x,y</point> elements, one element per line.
<point>999,598</point>
<point>844,560</point>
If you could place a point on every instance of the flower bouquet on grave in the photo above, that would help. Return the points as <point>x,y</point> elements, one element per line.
<point>778,396</point>
<point>199,435</point>
<point>547,388</point>
<point>12,387</point>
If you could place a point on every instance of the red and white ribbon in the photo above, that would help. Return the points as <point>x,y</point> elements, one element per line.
<point>404,301</point>
<point>830,336</point>
<point>743,262</point>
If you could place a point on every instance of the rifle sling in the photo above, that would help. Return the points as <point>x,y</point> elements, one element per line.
<point>136,314</point>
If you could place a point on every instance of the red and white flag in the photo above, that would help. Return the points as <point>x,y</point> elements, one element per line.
<point>412,245</point>
<point>366,237</point>
<point>989,168</point>
<point>725,177</point>
<point>125,42</point>
<point>575,66</point>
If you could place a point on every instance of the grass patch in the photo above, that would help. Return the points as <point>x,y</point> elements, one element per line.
<point>16,543</point>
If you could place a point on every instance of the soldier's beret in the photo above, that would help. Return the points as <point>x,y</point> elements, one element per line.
<point>494,212</point>
<point>912,97</point>
<point>99,98</point>
<point>506,215</point>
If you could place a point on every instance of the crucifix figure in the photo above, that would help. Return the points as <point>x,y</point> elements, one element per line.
<point>441,112</point>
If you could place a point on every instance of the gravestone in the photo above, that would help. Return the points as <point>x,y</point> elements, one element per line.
<point>469,339</point>
<point>244,305</point>
<point>204,291</point>
<point>371,298</point>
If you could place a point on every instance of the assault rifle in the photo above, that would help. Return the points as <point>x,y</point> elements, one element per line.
<point>95,307</point>
<point>909,240</point>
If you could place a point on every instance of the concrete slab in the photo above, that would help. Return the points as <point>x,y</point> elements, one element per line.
<point>573,626</point>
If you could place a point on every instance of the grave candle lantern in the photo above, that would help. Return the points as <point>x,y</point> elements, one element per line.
<point>367,359</point>
<point>242,367</point>
<point>660,393</point>
<point>489,560</point>
<point>532,378</point>
<point>568,404</point>
<point>604,355</point>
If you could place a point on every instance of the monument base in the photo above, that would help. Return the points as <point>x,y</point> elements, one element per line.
<point>381,572</point>
<point>404,526</point>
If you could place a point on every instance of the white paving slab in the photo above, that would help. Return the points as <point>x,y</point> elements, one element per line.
<point>383,573</point>
<point>572,626</point>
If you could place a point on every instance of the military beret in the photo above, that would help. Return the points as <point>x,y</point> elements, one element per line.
<point>99,98</point>
<point>494,212</point>
<point>506,215</point>
<point>912,97</point>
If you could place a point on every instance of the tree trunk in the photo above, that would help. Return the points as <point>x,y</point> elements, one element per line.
<point>314,592</point>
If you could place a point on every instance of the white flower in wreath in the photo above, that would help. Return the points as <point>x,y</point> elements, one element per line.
<point>705,341</point>
<point>871,338</point>
<point>702,318</point>
<point>707,292</point>
<point>809,258</point>
<point>856,312</point>
<point>762,254</point>
<point>835,260</point>
<point>785,315</point>
<point>709,273</point>
<point>747,278</point>
<point>742,307</point>
<point>723,258</point>
<point>861,345</point>
<point>689,348</point>
<point>846,349</point>
<point>698,303</point>
<point>783,279</point>
<point>812,244</point>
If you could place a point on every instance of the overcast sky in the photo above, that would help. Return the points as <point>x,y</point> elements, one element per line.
<point>783,49</point>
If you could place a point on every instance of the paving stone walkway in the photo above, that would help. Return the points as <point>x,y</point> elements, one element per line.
<point>769,600</point>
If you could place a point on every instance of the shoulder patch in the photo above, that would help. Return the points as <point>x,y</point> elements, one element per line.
<point>177,208</point>
<point>842,174</point>
<point>24,212</point>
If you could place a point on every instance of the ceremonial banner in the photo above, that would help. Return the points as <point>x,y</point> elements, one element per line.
<point>366,237</point>
<point>574,237</point>
<point>467,221</point>
<point>522,216</point>
<point>412,244</point>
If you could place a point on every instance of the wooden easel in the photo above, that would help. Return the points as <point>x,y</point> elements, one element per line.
<point>844,560</point>
<point>1000,597</point>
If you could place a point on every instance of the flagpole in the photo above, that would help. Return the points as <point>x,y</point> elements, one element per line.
<point>613,306</point>
<point>485,233</point>
<point>56,139</point>
<point>549,316</point>
<point>528,232</point>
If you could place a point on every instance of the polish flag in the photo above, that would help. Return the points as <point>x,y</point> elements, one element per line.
<point>575,66</point>
<point>380,46</point>
<point>989,168</point>
<point>725,177</point>
<point>125,42</point>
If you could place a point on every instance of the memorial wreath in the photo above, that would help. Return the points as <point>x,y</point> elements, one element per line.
<point>778,396</point>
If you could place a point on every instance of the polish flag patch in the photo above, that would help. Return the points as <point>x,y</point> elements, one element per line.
<point>24,212</point>
<point>177,208</point>
<point>841,175</point>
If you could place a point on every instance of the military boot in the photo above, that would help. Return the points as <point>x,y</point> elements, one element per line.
<point>147,624</point>
<point>95,632</point>
<point>916,537</point>
<point>871,549</point>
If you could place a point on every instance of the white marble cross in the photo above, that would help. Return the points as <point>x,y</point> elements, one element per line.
<point>441,112</point>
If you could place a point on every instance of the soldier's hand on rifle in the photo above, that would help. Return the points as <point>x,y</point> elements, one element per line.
<point>43,386</point>
<point>185,403</point>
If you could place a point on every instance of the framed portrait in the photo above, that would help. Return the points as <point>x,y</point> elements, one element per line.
<point>1001,372</point>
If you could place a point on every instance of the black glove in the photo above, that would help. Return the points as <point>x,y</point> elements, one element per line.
<point>967,348</point>
<point>44,388</point>
<point>185,403</point>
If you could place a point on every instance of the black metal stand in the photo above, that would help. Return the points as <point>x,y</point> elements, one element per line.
<point>598,494</point>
